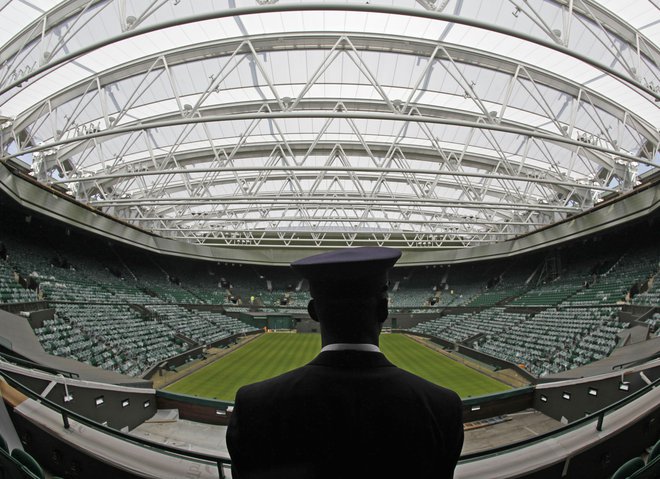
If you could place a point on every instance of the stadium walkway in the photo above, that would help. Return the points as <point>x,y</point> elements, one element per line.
<point>211,439</point>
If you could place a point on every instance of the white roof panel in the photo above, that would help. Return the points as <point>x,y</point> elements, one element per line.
<point>404,108</point>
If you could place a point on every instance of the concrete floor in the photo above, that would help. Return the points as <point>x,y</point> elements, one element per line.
<point>523,425</point>
<point>183,434</point>
<point>168,429</point>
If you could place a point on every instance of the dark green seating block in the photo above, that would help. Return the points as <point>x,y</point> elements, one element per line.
<point>628,468</point>
<point>650,471</point>
<point>655,452</point>
<point>10,468</point>
<point>29,462</point>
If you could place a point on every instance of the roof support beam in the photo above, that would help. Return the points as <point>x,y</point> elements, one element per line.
<point>414,13</point>
<point>344,115</point>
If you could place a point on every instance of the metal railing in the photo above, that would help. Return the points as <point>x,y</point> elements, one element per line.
<point>163,448</point>
<point>598,417</point>
<point>26,363</point>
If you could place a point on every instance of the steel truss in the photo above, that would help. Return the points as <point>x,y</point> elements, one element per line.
<point>248,173</point>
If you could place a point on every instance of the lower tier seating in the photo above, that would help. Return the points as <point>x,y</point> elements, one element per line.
<point>550,341</point>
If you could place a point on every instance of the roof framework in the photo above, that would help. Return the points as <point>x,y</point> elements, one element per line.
<point>272,124</point>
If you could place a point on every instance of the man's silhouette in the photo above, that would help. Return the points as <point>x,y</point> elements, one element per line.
<point>349,413</point>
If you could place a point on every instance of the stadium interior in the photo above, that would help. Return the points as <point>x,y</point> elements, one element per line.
<point>161,164</point>
<point>93,318</point>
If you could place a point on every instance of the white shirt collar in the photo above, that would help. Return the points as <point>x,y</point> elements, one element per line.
<point>372,348</point>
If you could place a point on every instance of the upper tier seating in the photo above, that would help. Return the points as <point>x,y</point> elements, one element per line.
<point>633,268</point>
<point>554,292</point>
<point>650,297</point>
<point>10,290</point>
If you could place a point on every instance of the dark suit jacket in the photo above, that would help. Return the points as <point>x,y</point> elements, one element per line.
<point>345,414</point>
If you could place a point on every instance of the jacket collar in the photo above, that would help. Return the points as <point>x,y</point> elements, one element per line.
<point>351,346</point>
<point>351,359</point>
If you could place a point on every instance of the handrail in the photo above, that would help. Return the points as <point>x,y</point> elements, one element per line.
<point>597,416</point>
<point>68,414</point>
<point>474,400</point>
<point>637,362</point>
<point>31,364</point>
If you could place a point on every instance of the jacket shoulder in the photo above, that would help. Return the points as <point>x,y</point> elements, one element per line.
<point>263,387</point>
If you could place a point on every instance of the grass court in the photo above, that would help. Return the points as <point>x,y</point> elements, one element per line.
<point>275,353</point>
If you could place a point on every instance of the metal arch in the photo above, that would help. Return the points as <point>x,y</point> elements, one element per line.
<point>338,201</point>
<point>290,218</point>
<point>450,219</point>
<point>194,156</point>
<point>248,175</point>
<point>76,148</point>
<point>341,7</point>
<point>313,170</point>
<point>171,204</point>
<point>282,174</point>
<point>418,153</point>
<point>431,219</point>
<point>283,230</point>
<point>425,220</point>
<point>572,186</point>
<point>575,188</point>
<point>533,175</point>
<point>57,14</point>
<point>606,20</point>
<point>623,30</point>
<point>608,164</point>
<point>338,237</point>
<point>316,114</point>
<point>602,16</point>
<point>192,186</point>
<point>362,42</point>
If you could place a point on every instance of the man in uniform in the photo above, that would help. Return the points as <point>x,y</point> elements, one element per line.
<point>349,413</point>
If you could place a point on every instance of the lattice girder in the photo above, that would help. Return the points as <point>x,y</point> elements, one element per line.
<point>420,126</point>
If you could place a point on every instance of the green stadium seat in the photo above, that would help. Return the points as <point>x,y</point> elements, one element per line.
<point>29,462</point>
<point>650,471</point>
<point>655,452</point>
<point>10,468</point>
<point>628,468</point>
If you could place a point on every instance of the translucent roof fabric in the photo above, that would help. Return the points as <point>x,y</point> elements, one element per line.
<point>417,124</point>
